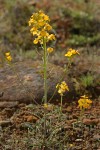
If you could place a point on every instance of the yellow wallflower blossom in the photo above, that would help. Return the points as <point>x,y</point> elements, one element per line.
<point>33,29</point>
<point>71,52</point>
<point>35,33</point>
<point>41,23</point>
<point>45,105</point>
<point>40,27</point>
<point>47,27</point>
<point>84,102</point>
<point>46,18</point>
<point>62,88</point>
<point>43,33</point>
<point>36,41</point>
<point>51,37</point>
<point>71,145</point>
<point>50,49</point>
<point>41,13</point>
<point>8,56</point>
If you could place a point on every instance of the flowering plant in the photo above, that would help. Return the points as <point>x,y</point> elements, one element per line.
<point>84,102</point>
<point>40,29</point>
<point>72,52</point>
<point>62,88</point>
<point>8,56</point>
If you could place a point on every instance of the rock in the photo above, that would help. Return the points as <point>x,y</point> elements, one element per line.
<point>95,121</point>
<point>91,121</point>
<point>5,123</point>
<point>96,137</point>
<point>8,104</point>
<point>78,140</point>
<point>23,82</point>
<point>69,109</point>
<point>31,118</point>
<point>87,121</point>
<point>67,127</point>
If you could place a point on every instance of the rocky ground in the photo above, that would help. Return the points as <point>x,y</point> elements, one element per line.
<point>22,82</point>
<point>79,132</point>
<point>21,118</point>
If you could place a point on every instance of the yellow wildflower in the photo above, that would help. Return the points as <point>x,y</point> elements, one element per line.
<point>46,18</point>
<point>33,29</point>
<point>41,23</point>
<point>36,41</point>
<point>62,88</point>
<point>43,33</point>
<point>47,27</point>
<point>51,37</point>
<point>40,27</point>
<point>71,52</point>
<point>35,33</point>
<point>57,85</point>
<point>84,102</point>
<point>71,145</point>
<point>41,13</point>
<point>8,56</point>
<point>30,22</point>
<point>45,105</point>
<point>50,49</point>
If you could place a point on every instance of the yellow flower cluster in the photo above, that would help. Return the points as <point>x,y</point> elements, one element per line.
<point>40,27</point>
<point>84,102</point>
<point>8,56</point>
<point>71,52</point>
<point>62,88</point>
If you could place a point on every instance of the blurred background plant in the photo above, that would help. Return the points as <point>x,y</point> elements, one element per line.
<point>76,22</point>
<point>87,80</point>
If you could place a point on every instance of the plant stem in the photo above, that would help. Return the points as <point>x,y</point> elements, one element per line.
<point>61,104</point>
<point>45,70</point>
<point>44,138</point>
<point>64,71</point>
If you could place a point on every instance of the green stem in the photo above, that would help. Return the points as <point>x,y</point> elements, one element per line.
<point>64,73</point>
<point>45,70</point>
<point>61,104</point>
<point>81,114</point>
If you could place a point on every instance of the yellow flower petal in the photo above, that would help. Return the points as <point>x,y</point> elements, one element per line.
<point>84,102</point>
<point>62,88</point>
<point>45,105</point>
<point>36,41</point>
<point>40,26</point>
<point>9,58</point>
<point>51,37</point>
<point>71,52</point>
<point>7,54</point>
<point>50,49</point>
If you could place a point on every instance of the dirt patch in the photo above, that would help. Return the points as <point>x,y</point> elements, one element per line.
<point>22,128</point>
